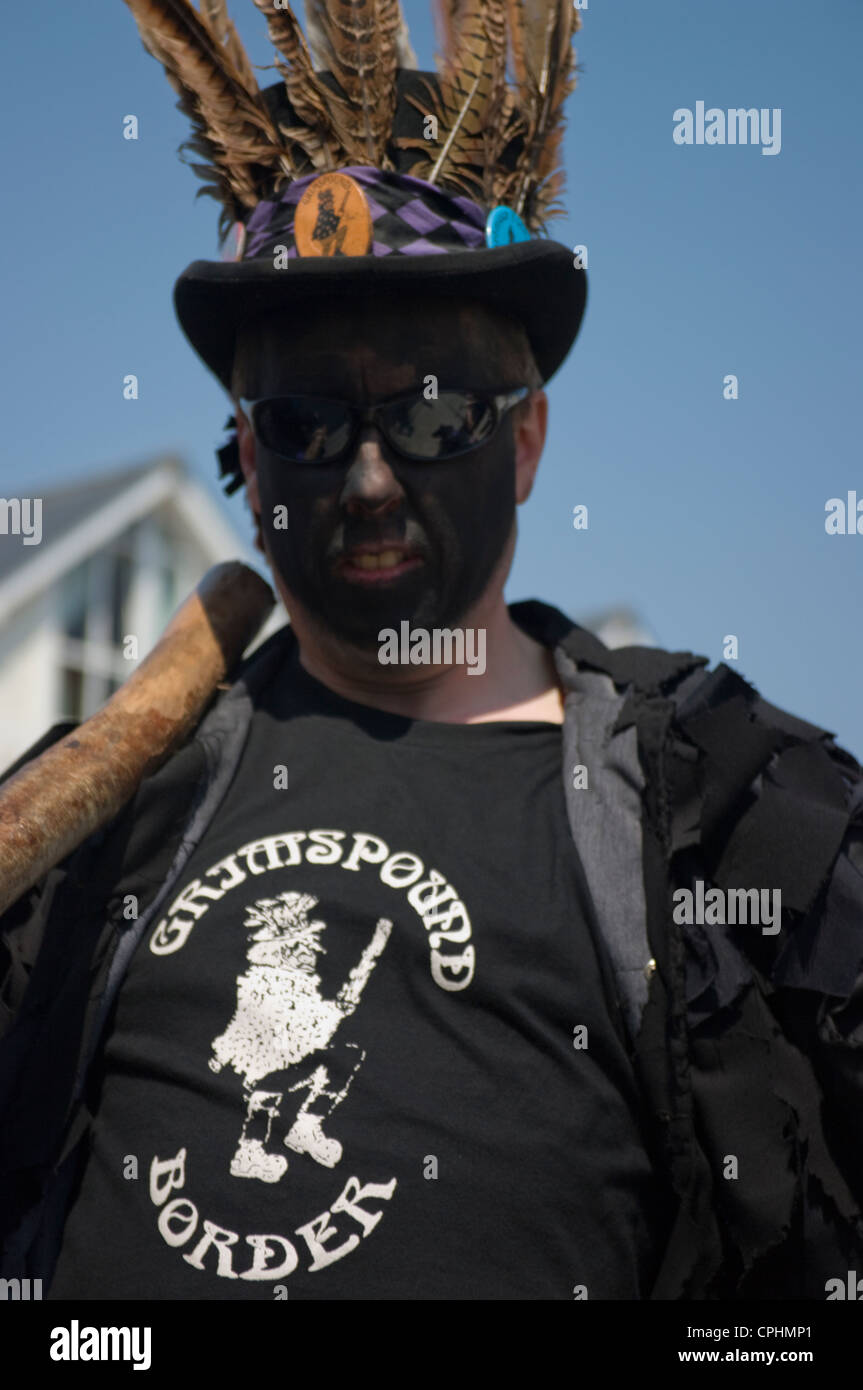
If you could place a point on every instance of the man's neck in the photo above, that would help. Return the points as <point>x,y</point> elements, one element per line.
<point>519,681</point>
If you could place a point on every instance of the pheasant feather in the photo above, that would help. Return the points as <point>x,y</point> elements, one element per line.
<point>472,72</point>
<point>232,128</point>
<point>327,127</point>
<point>222,26</point>
<point>358,42</point>
<point>541,34</point>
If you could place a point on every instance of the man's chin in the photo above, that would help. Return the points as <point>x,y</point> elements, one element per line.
<point>357,614</point>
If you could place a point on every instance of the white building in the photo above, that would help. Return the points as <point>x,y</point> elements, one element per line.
<point>118,554</point>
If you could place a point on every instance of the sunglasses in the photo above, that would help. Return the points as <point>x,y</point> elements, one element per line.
<point>317,430</point>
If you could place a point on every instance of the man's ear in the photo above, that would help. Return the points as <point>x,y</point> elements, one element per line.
<point>530,422</point>
<point>246,448</point>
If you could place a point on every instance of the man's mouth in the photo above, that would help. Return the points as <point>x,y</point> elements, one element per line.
<point>367,565</point>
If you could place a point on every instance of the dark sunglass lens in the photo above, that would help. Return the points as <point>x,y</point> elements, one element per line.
<point>303,428</point>
<point>451,424</point>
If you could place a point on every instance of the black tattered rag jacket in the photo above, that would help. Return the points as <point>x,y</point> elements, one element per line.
<point>747,1046</point>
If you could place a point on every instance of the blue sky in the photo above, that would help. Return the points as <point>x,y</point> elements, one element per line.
<point>706,515</point>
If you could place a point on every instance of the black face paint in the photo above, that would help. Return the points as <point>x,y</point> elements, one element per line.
<point>457,515</point>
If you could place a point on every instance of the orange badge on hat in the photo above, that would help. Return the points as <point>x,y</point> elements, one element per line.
<point>333,218</point>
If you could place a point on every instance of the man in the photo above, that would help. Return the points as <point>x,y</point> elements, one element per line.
<point>367,1000</point>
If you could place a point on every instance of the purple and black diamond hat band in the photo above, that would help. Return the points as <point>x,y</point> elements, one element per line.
<point>409,216</point>
<point>359,231</point>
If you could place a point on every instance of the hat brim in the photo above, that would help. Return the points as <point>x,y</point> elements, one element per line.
<point>533,282</point>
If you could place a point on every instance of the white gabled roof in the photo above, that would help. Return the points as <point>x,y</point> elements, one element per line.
<point>81,518</point>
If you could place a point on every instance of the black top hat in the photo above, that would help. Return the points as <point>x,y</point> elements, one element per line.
<point>370,177</point>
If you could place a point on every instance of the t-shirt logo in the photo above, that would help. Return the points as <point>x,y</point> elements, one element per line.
<point>285,1042</point>
<point>280,1022</point>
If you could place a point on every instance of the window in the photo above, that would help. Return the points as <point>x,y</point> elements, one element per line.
<point>74,602</point>
<point>120,568</point>
<point>167,593</point>
<point>94,619</point>
<point>71,693</point>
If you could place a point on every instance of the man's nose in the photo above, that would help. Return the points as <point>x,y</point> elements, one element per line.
<point>370,483</point>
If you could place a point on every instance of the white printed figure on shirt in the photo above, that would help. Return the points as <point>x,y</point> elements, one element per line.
<point>280,1020</point>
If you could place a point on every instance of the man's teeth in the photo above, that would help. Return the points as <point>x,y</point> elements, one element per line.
<point>384,560</point>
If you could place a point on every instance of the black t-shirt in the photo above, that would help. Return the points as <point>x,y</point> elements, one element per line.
<point>365,1052</point>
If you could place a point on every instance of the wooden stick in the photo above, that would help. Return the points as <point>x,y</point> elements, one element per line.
<point>78,784</point>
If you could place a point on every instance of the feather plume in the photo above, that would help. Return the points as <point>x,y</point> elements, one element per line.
<point>313,104</point>
<point>317,36</point>
<point>502,144</point>
<point>504,67</point>
<point>472,80</point>
<point>358,42</point>
<point>498,114</point>
<point>232,129</point>
<point>222,26</point>
<point>541,34</point>
<point>318,149</point>
<point>526,23</point>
